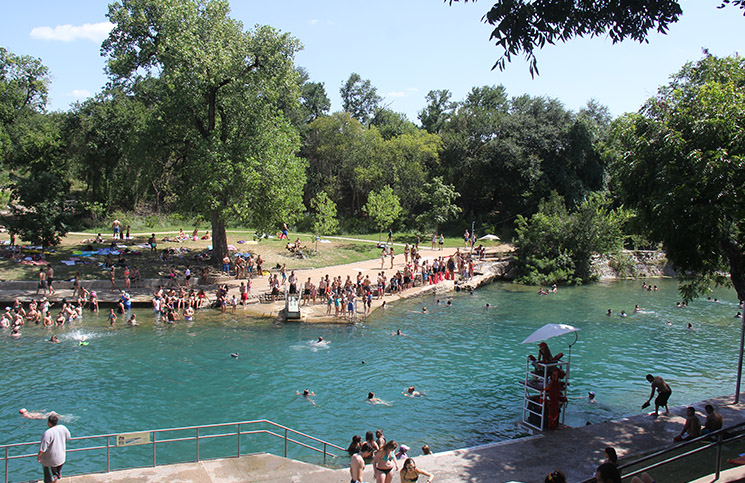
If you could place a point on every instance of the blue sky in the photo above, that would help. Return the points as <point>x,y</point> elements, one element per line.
<point>406,48</point>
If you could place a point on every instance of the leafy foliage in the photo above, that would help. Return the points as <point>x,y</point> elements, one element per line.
<point>522,26</point>
<point>383,207</point>
<point>37,209</point>
<point>555,245</point>
<point>681,166</point>
<point>359,98</point>
<point>218,96</point>
<point>325,222</point>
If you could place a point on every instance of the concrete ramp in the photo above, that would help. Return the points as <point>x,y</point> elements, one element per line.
<point>252,468</point>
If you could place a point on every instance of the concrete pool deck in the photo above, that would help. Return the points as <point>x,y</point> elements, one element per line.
<point>576,451</point>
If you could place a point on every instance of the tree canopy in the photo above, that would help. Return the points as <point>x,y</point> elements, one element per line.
<point>220,93</point>
<point>681,166</point>
<point>522,26</point>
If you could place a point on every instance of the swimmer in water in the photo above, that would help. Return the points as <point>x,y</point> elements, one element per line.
<point>690,326</point>
<point>667,322</point>
<point>738,315</point>
<point>438,301</point>
<point>375,400</point>
<point>637,308</point>
<point>424,310</point>
<point>36,414</point>
<point>623,313</point>
<point>487,306</point>
<point>306,395</point>
<point>398,332</point>
<point>132,320</point>
<point>411,392</point>
<point>450,303</point>
<point>610,313</point>
<point>591,397</point>
<point>54,340</point>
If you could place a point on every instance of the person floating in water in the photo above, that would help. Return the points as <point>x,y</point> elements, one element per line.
<point>398,332</point>
<point>412,392</point>
<point>306,395</point>
<point>375,400</point>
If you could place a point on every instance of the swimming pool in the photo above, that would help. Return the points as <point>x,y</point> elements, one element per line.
<point>466,358</point>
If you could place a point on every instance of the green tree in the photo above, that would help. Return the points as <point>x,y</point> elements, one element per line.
<point>24,83</point>
<point>391,124</point>
<point>383,207</point>
<point>359,98</point>
<point>219,94</point>
<point>555,245</point>
<point>438,110</point>
<point>681,167</point>
<point>440,200</point>
<point>104,141</point>
<point>37,208</point>
<point>522,26</point>
<point>325,221</point>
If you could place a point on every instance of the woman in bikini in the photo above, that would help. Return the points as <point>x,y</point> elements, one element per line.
<point>410,473</point>
<point>384,462</point>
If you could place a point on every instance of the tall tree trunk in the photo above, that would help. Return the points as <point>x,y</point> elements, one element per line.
<point>734,254</point>
<point>219,239</point>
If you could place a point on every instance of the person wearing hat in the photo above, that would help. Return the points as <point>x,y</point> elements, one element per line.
<point>591,397</point>
<point>402,452</point>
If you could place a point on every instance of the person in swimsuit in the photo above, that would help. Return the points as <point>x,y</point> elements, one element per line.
<point>410,473</point>
<point>384,462</point>
<point>663,394</point>
<point>357,463</point>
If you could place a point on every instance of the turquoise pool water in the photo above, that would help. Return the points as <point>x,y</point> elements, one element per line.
<point>466,358</point>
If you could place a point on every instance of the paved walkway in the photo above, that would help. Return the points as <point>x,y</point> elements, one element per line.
<point>576,451</point>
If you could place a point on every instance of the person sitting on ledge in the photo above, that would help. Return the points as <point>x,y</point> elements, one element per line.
<point>692,427</point>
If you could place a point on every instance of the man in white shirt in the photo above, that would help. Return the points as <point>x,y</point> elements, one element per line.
<point>53,449</point>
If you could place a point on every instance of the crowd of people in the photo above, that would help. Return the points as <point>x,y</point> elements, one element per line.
<point>384,456</point>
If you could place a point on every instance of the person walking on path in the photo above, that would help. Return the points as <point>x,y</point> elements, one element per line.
<point>53,449</point>
<point>663,394</point>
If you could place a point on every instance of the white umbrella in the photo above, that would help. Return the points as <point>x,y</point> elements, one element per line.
<point>489,237</point>
<point>548,331</point>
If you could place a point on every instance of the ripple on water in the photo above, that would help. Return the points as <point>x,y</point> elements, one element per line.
<point>467,359</point>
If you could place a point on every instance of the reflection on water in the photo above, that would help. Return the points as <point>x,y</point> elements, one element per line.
<point>467,358</point>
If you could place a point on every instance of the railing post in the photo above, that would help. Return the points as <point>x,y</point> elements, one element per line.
<point>154,449</point>
<point>6,464</point>
<point>324,453</point>
<point>718,467</point>
<point>285,442</point>
<point>108,456</point>
<point>197,444</point>
<point>239,440</point>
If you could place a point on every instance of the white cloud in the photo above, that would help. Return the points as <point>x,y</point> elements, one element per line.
<point>78,93</point>
<point>313,21</point>
<point>403,93</point>
<point>95,32</point>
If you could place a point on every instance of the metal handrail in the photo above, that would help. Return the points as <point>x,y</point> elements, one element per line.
<point>6,457</point>
<point>720,441</point>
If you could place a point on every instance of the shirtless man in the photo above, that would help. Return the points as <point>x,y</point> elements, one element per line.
<point>35,414</point>
<point>663,395</point>
<point>714,420</point>
<point>357,464</point>
<point>692,427</point>
<point>412,392</point>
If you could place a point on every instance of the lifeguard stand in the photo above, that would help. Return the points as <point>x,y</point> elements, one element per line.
<point>535,401</point>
